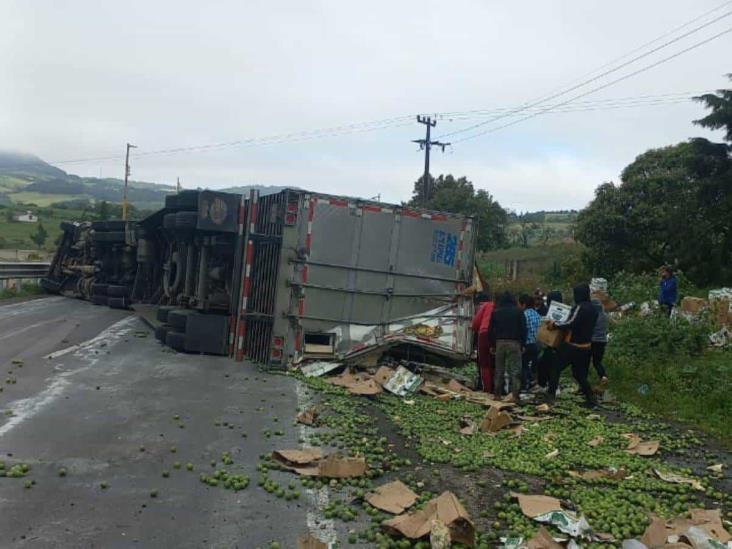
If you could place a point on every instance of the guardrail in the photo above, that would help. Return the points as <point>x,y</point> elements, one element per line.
<point>20,271</point>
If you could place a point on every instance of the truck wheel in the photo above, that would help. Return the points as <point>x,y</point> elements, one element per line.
<point>161,332</point>
<point>178,318</point>
<point>50,285</point>
<point>99,289</point>
<point>176,340</point>
<point>111,236</point>
<point>116,225</point>
<point>186,220</point>
<point>162,313</point>
<point>169,221</point>
<point>99,299</point>
<point>117,302</point>
<point>117,291</point>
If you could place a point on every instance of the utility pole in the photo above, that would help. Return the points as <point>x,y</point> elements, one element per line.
<point>426,144</point>
<point>177,184</point>
<point>127,174</point>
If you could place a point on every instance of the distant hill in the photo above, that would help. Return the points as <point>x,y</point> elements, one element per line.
<point>27,179</point>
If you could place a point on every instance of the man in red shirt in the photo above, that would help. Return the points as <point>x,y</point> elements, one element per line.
<point>481,324</point>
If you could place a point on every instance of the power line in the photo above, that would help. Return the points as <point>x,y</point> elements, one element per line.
<point>602,87</point>
<point>590,80</point>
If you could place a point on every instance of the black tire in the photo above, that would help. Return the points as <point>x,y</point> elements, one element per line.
<point>169,221</point>
<point>99,300</point>
<point>177,318</point>
<point>117,291</point>
<point>117,302</point>
<point>186,220</point>
<point>187,200</point>
<point>162,313</point>
<point>176,340</point>
<point>160,333</point>
<point>116,225</point>
<point>111,236</point>
<point>50,285</point>
<point>171,201</point>
<point>100,226</point>
<point>99,289</point>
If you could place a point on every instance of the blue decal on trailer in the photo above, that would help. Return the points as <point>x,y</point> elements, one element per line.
<point>444,247</point>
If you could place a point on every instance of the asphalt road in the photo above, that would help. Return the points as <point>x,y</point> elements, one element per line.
<point>97,395</point>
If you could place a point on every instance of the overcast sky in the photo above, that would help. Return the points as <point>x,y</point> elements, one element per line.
<point>81,78</point>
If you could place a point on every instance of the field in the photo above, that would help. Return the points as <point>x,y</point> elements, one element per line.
<point>42,199</point>
<point>17,235</point>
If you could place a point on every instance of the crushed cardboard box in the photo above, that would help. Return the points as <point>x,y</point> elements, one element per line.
<point>309,541</point>
<point>659,532</point>
<point>678,479</point>
<point>693,305</point>
<point>357,384</point>
<point>447,509</point>
<point>549,336</point>
<point>613,474</point>
<point>308,417</point>
<point>495,420</point>
<point>640,448</point>
<point>596,441</point>
<point>394,497</point>
<point>543,540</point>
<point>439,535</point>
<point>310,462</point>
<point>383,374</point>
<point>536,505</point>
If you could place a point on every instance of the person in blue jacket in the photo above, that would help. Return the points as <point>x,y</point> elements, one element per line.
<point>669,291</point>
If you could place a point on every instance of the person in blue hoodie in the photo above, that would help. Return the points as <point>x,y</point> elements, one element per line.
<point>669,290</point>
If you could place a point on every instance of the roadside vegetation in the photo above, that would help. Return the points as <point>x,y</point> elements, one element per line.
<point>25,290</point>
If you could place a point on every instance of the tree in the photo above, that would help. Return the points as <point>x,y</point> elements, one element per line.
<point>458,196</point>
<point>39,237</point>
<point>103,210</point>
<point>672,207</point>
<point>721,116</point>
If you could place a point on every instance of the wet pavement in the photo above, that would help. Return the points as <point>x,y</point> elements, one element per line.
<point>98,396</point>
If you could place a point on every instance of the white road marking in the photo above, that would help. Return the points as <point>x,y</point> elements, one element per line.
<point>26,408</point>
<point>318,525</point>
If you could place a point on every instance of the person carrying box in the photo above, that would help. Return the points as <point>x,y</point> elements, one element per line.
<point>577,351</point>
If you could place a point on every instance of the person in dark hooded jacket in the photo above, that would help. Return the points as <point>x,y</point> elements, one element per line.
<point>548,355</point>
<point>578,350</point>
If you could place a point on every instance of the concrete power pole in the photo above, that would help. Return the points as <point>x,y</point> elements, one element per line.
<point>426,144</point>
<point>127,175</point>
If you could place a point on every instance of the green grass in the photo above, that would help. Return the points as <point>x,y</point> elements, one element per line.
<point>17,235</point>
<point>668,369</point>
<point>24,291</point>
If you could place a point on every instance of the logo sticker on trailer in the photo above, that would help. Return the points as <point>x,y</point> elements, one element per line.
<point>444,247</point>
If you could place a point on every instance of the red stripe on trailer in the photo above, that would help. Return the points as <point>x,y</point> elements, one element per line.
<point>301,306</point>
<point>298,340</point>
<point>305,273</point>
<point>376,209</point>
<point>411,213</point>
<point>338,202</point>
<point>438,217</point>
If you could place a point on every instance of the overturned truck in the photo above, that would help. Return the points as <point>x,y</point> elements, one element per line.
<point>298,275</point>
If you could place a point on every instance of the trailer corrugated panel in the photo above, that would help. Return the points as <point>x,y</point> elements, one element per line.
<point>364,275</point>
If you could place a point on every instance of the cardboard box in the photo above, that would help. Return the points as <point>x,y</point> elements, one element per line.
<point>550,337</point>
<point>558,312</point>
<point>693,305</point>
